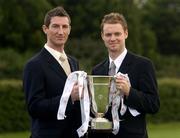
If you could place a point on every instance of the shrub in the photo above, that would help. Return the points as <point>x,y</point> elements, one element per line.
<point>14,117</point>
<point>12,63</point>
<point>13,114</point>
<point>89,52</point>
<point>169,92</point>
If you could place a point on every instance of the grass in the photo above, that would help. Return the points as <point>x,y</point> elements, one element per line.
<point>168,130</point>
<point>15,135</point>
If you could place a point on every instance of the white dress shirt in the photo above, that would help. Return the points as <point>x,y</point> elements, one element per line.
<point>118,61</point>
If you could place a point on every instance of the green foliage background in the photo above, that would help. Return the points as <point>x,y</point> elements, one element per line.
<point>13,114</point>
<point>154,32</point>
<point>14,117</point>
<point>153,26</point>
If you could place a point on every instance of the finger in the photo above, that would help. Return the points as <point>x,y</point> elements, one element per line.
<point>82,95</point>
<point>120,87</point>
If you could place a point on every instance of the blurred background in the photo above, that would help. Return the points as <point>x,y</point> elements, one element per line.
<point>154,32</point>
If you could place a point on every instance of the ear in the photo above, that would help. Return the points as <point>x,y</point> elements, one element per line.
<point>44,28</point>
<point>69,29</point>
<point>102,35</point>
<point>126,33</point>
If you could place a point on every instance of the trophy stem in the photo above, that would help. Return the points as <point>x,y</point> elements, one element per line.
<point>100,115</point>
<point>100,123</point>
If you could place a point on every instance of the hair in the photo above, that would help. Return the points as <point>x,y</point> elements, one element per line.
<point>114,18</point>
<point>58,11</point>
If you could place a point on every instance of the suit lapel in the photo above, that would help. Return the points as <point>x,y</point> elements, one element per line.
<point>125,66</point>
<point>52,63</point>
<point>105,68</point>
<point>72,65</point>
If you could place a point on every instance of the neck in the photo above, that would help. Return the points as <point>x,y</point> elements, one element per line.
<point>113,56</point>
<point>59,48</point>
<point>116,53</point>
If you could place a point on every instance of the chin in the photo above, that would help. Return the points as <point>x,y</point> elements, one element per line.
<point>59,44</point>
<point>113,49</point>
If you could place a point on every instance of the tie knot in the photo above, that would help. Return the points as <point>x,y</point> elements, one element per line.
<point>112,66</point>
<point>112,69</point>
<point>62,57</point>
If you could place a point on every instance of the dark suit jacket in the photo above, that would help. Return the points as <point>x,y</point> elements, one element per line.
<point>43,83</point>
<point>143,94</point>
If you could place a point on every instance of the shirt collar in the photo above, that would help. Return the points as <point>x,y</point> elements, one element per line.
<point>118,61</point>
<point>54,53</point>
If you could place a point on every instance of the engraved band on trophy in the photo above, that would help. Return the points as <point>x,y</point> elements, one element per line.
<point>99,93</point>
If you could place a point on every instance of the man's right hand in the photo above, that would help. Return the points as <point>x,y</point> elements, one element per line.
<point>75,92</point>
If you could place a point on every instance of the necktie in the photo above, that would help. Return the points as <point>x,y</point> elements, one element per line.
<point>114,99</point>
<point>65,64</point>
<point>112,69</point>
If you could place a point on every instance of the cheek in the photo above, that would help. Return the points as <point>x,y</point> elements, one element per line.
<point>122,38</point>
<point>106,40</point>
<point>50,33</point>
<point>67,33</point>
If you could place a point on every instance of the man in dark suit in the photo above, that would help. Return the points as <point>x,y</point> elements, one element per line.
<point>44,79</point>
<point>140,92</point>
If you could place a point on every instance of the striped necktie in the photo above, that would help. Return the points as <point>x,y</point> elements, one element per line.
<point>112,69</point>
<point>114,99</point>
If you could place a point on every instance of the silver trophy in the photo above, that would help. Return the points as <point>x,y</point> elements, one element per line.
<point>99,87</point>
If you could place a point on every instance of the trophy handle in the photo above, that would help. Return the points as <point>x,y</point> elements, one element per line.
<point>92,98</point>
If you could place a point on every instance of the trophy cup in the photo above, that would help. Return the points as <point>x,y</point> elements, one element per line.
<point>99,93</point>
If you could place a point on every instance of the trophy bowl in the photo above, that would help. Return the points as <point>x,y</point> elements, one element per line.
<point>99,94</point>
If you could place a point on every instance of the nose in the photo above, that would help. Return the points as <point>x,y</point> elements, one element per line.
<point>113,37</point>
<point>60,30</point>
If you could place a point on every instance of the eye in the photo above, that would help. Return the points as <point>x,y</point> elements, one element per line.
<point>118,34</point>
<point>54,26</point>
<point>65,26</point>
<point>108,34</point>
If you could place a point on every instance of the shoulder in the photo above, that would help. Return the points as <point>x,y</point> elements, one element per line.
<point>74,62</point>
<point>101,68</point>
<point>34,62</point>
<point>140,63</point>
<point>72,58</point>
<point>101,64</point>
<point>42,55</point>
<point>138,59</point>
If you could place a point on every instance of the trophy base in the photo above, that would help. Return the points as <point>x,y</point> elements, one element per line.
<point>101,124</point>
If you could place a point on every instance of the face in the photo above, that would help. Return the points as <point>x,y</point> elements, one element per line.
<point>57,32</point>
<point>114,37</point>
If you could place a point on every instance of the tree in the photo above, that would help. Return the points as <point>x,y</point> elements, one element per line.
<point>163,18</point>
<point>20,23</point>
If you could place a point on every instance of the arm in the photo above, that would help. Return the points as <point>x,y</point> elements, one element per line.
<point>144,97</point>
<point>39,104</point>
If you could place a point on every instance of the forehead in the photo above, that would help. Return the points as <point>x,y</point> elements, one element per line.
<point>112,27</point>
<point>59,20</point>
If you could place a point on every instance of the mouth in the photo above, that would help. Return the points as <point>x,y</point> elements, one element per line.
<point>60,38</point>
<point>113,44</point>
